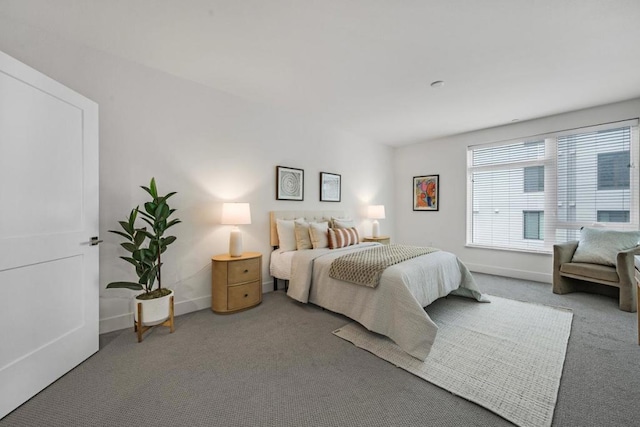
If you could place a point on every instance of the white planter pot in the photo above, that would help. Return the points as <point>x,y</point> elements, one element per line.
<point>154,311</point>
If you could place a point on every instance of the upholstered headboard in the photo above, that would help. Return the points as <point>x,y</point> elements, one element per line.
<point>311,216</point>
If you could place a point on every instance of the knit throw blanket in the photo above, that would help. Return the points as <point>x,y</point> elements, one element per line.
<point>365,267</point>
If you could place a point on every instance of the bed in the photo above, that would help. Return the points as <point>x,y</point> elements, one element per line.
<point>393,308</point>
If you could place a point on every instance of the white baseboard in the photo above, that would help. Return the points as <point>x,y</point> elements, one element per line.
<point>510,272</point>
<point>267,287</point>
<point>124,321</point>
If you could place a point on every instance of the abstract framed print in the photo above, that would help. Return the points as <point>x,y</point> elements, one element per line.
<point>289,183</point>
<point>330,187</point>
<point>426,193</point>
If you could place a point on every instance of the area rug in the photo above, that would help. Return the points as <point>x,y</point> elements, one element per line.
<point>506,356</point>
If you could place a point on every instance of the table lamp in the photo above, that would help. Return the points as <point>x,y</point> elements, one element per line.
<point>235,214</point>
<point>376,212</point>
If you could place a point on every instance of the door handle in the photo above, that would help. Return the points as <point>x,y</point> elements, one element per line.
<point>95,241</point>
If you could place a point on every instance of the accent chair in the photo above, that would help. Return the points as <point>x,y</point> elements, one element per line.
<point>600,262</point>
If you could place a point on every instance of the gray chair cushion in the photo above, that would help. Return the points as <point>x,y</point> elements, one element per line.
<point>594,271</point>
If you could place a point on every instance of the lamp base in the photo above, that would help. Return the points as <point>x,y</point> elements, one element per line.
<point>235,242</point>
<point>375,230</point>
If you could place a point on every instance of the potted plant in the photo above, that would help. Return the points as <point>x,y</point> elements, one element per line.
<point>146,246</point>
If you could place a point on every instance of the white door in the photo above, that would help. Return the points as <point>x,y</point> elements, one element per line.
<point>48,212</point>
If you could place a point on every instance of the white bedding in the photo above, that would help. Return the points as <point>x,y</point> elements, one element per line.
<point>280,264</point>
<point>395,307</point>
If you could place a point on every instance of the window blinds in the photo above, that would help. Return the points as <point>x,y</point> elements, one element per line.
<point>532,193</point>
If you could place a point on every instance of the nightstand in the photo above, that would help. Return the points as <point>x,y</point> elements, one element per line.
<point>236,282</point>
<point>385,240</point>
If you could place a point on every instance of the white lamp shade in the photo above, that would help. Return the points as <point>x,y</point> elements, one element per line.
<point>236,213</point>
<point>376,212</point>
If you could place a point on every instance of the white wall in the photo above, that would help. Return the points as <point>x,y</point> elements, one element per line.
<point>208,146</point>
<point>447,157</point>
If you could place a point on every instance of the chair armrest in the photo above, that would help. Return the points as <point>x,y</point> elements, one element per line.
<point>563,252</point>
<point>625,267</point>
<point>633,252</point>
<point>625,263</point>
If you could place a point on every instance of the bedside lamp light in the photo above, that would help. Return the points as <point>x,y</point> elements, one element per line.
<point>235,214</point>
<point>376,212</point>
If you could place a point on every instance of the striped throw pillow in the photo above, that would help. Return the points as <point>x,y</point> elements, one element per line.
<point>343,237</point>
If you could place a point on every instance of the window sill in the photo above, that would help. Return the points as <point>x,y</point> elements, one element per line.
<point>526,251</point>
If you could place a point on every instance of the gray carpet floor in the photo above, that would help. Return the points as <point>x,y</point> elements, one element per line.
<point>278,364</point>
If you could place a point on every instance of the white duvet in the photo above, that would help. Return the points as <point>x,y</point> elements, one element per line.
<point>395,307</point>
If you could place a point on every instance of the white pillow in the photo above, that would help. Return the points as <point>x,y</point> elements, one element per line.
<point>303,239</point>
<point>601,246</point>
<point>319,234</point>
<point>342,223</point>
<point>286,234</point>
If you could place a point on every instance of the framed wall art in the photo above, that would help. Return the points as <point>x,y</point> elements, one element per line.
<point>330,187</point>
<point>289,183</point>
<point>426,193</point>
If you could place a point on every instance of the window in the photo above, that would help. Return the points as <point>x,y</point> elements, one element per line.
<point>613,216</point>
<point>533,179</point>
<point>533,225</point>
<point>529,194</point>
<point>613,170</point>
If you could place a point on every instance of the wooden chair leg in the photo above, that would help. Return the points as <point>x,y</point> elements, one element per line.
<point>139,329</point>
<point>171,327</point>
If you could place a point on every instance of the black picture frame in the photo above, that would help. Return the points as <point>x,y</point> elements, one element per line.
<point>330,187</point>
<point>426,193</point>
<point>289,183</point>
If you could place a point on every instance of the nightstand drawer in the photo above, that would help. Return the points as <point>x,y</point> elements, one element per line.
<point>236,282</point>
<point>243,271</point>
<point>241,296</point>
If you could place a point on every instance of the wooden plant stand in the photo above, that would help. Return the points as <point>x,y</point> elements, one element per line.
<point>140,329</point>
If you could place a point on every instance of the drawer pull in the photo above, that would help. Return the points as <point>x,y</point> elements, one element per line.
<point>246,271</point>
<point>246,295</point>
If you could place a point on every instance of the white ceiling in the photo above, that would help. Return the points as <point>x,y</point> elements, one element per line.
<point>365,66</point>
